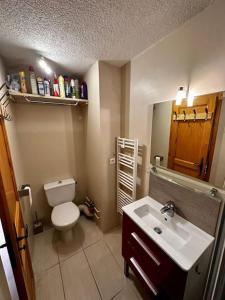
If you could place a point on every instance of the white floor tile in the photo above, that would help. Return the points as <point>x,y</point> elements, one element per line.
<point>105,270</point>
<point>44,251</point>
<point>72,245</point>
<point>77,279</point>
<point>90,233</point>
<point>113,240</point>
<point>49,285</point>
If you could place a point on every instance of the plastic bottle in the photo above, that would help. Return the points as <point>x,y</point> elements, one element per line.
<point>61,86</point>
<point>55,86</point>
<point>46,87</point>
<point>40,83</point>
<point>83,90</point>
<point>15,85</point>
<point>67,87</point>
<point>23,86</point>
<point>72,87</point>
<point>33,81</point>
<point>77,90</point>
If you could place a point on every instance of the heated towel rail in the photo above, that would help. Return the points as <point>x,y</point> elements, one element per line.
<point>127,155</point>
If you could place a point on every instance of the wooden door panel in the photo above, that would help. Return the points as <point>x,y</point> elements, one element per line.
<point>190,140</point>
<point>13,222</point>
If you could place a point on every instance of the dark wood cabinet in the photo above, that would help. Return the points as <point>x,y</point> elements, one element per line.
<point>160,276</point>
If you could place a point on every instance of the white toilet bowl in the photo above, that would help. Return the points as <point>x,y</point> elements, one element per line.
<point>65,216</point>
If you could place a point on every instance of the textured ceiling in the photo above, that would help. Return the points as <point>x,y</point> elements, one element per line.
<point>74,34</point>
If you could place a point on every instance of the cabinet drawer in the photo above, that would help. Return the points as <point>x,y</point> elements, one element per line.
<point>159,268</point>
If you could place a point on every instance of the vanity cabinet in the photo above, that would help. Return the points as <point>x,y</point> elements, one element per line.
<point>159,274</point>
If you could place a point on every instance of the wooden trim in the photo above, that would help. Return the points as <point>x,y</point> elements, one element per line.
<point>214,134</point>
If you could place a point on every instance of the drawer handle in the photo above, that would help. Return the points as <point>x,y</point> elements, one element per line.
<point>144,276</point>
<point>145,248</point>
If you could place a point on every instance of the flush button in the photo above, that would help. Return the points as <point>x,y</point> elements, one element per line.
<point>60,181</point>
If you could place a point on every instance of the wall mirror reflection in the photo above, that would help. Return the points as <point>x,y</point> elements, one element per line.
<point>190,137</point>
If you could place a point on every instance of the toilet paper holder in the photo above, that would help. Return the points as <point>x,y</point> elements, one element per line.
<point>23,192</point>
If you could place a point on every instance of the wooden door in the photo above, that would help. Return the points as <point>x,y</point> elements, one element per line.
<point>12,223</point>
<point>192,142</point>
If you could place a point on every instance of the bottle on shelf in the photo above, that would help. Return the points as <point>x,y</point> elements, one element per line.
<point>40,83</point>
<point>61,86</point>
<point>67,87</point>
<point>77,89</point>
<point>46,87</point>
<point>55,86</point>
<point>72,88</point>
<point>83,90</point>
<point>23,86</point>
<point>33,81</point>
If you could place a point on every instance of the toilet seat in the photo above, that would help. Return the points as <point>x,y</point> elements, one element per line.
<point>65,215</point>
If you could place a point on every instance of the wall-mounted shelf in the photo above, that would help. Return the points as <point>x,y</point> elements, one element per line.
<point>51,100</point>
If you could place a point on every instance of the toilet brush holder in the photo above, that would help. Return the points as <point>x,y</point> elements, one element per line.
<point>37,226</point>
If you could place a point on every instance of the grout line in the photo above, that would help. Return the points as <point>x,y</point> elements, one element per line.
<point>64,292</point>
<point>93,276</point>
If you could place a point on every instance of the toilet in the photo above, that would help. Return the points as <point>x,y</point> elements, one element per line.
<point>60,195</point>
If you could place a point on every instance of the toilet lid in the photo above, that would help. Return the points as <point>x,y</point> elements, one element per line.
<point>65,214</point>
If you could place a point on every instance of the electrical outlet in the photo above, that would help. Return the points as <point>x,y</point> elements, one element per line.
<point>112,161</point>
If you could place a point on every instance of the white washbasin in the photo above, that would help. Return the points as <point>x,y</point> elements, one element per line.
<point>180,239</point>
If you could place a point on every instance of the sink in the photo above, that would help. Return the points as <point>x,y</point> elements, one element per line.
<point>181,240</point>
<point>171,232</point>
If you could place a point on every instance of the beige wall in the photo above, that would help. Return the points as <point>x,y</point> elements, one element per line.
<point>110,99</point>
<point>194,54</point>
<point>103,126</point>
<point>125,100</point>
<point>51,143</point>
<point>93,136</point>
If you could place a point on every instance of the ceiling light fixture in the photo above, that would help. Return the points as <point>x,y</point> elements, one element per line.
<point>180,95</point>
<point>45,66</point>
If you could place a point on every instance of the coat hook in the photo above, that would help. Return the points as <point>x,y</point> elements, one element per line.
<point>184,115</point>
<point>175,115</point>
<point>206,113</point>
<point>194,111</point>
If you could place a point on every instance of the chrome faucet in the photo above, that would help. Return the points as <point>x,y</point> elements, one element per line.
<point>168,208</point>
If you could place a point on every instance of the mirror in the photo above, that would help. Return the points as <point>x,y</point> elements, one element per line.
<point>191,139</point>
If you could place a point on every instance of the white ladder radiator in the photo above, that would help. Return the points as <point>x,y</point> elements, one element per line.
<point>127,155</point>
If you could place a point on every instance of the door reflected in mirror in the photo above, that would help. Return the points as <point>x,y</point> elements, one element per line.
<point>191,140</point>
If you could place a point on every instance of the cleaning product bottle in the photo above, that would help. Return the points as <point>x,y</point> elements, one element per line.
<point>72,87</point>
<point>67,87</point>
<point>61,86</point>
<point>46,87</point>
<point>83,90</point>
<point>40,83</point>
<point>23,86</point>
<point>77,90</point>
<point>55,86</point>
<point>33,81</point>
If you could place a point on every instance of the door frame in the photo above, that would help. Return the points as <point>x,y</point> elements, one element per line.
<point>8,227</point>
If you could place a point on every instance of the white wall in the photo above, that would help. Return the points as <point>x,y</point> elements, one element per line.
<point>192,55</point>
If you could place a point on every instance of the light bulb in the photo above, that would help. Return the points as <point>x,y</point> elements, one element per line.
<point>45,66</point>
<point>180,95</point>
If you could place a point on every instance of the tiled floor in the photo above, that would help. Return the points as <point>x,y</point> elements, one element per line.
<point>88,268</point>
